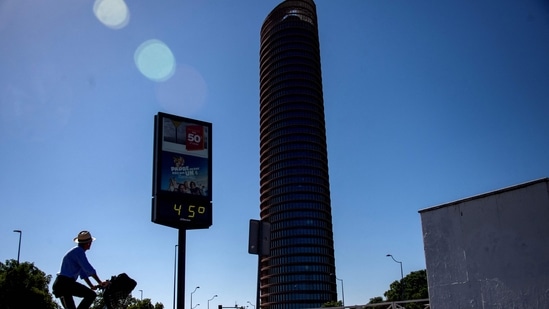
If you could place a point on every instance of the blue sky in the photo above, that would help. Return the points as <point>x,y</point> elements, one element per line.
<point>426,102</point>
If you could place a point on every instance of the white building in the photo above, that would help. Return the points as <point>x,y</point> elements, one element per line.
<point>490,250</point>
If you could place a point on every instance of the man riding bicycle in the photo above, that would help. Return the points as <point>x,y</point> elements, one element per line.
<point>75,264</point>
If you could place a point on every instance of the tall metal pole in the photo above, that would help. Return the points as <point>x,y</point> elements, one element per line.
<point>174,274</point>
<point>262,230</point>
<point>257,293</point>
<point>19,249</point>
<point>342,291</point>
<point>401,277</point>
<point>181,244</point>
<point>259,254</point>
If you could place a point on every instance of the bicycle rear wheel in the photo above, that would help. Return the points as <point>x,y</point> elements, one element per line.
<point>117,300</point>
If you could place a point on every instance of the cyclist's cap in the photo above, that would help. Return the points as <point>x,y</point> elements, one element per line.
<point>84,237</point>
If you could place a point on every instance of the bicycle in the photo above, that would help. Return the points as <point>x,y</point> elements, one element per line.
<point>115,295</point>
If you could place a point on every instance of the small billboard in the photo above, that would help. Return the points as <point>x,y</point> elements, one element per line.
<point>182,172</point>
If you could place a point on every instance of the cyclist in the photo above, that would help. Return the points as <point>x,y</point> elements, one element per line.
<point>75,264</point>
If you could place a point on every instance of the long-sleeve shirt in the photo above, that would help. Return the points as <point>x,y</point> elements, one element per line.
<point>75,263</point>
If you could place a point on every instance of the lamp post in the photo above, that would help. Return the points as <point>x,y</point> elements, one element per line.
<point>401,277</point>
<point>19,249</point>
<point>342,289</point>
<point>342,292</point>
<point>251,304</point>
<point>192,296</point>
<point>141,294</point>
<point>174,272</point>
<point>196,306</point>
<point>210,300</point>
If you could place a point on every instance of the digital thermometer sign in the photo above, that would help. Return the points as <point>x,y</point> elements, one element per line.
<point>182,174</point>
<point>188,213</point>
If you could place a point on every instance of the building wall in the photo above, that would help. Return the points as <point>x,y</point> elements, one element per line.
<point>294,182</point>
<point>490,251</point>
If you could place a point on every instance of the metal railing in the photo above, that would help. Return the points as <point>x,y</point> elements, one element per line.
<point>401,304</point>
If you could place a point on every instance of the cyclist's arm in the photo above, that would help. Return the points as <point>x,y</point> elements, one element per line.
<point>99,282</point>
<point>87,271</point>
<point>89,283</point>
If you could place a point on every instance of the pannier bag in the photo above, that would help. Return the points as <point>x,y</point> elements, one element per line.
<point>120,287</point>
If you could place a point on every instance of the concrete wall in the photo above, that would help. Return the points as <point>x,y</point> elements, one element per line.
<point>491,250</point>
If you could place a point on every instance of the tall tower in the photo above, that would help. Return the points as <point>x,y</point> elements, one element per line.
<point>295,190</point>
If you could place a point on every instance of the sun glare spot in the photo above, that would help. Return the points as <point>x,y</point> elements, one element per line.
<point>185,93</point>
<point>155,60</point>
<point>112,13</point>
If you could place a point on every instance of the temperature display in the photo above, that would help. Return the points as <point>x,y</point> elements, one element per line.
<point>188,213</point>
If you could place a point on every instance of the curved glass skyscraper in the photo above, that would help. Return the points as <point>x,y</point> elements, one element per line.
<point>295,191</point>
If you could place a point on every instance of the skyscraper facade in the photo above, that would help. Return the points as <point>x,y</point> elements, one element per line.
<point>294,182</point>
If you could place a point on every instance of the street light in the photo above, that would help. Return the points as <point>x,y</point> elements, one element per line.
<point>251,304</point>
<point>141,294</point>
<point>342,292</point>
<point>192,296</point>
<point>210,300</point>
<point>196,306</point>
<point>342,289</point>
<point>401,277</point>
<point>19,249</point>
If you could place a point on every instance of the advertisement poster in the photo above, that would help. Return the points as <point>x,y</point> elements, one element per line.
<point>184,158</point>
<point>184,174</point>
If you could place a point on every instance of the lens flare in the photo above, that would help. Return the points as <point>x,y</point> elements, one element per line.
<point>185,93</point>
<point>112,13</point>
<point>155,60</point>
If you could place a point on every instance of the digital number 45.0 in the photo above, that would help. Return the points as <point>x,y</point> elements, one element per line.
<point>192,210</point>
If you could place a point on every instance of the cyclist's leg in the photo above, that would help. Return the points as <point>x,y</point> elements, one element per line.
<point>62,290</point>
<point>67,301</point>
<point>88,296</point>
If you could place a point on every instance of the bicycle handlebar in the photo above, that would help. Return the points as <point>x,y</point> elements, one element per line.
<point>104,286</point>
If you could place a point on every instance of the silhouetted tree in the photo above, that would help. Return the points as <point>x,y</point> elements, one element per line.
<point>23,285</point>
<point>376,300</point>
<point>414,287</point>
<point>332,304</point>
<point>145,304</point>
<point>128,303</point>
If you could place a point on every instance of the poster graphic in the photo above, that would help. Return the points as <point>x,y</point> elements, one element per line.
<point>185,161</point>
<point>195,137</point>
<point>184,174</point>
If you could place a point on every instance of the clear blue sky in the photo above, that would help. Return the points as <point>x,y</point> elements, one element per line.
<point>426,102</point>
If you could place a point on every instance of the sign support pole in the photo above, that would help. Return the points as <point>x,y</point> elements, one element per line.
<point>259,254</point>
<point>259,242</point>
<point>181,246</point>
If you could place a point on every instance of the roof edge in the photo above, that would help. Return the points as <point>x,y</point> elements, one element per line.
<point>474,197</point>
